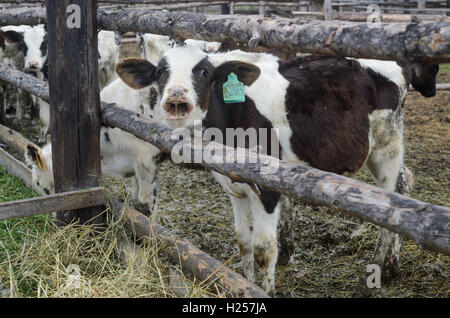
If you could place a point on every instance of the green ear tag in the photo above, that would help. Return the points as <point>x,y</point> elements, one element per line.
<point>233,90</point>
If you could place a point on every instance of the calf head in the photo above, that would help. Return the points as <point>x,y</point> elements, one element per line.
<point>423,79</point>
<point>185,77</point>
<point>40,161</point>
<point>32,43</point>
<point>15,38</point>
<point>35,39</point>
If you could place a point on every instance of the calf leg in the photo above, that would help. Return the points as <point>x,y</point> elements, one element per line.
<point>244,232</point>
<point>287,235</point>
<point>386,165</point>
<point>146,186</point>
<point>265,242</point>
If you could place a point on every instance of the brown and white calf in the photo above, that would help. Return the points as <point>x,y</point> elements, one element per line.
<point>335,114</point>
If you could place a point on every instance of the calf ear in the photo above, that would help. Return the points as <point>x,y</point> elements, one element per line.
<point>246,73</point>
<point>136,73</point>
<point>34,156</point>
<point>13,36</point>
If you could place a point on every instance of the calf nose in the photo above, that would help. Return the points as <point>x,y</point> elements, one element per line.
<point>33,64</point>
<point>178,92</point>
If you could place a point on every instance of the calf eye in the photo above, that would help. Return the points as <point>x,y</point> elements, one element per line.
<point>204,72</point>
<point>158,72</point>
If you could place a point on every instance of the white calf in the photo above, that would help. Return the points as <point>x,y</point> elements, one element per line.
<point>154,45</point>
<point>205,46</point>
<point>108,52</point>
<point>122,154</point>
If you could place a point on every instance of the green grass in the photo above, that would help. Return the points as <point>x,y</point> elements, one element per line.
<point>444,68</point>
<point>13,233</point>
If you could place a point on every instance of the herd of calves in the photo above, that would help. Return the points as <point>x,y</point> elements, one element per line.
<point>335,114</point>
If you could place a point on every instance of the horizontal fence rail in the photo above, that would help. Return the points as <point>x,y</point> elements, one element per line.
<point>426,224</point>
<point>421,41</point>
<point>363,16</point>
<point>336,3</point>
<point>59,202</point>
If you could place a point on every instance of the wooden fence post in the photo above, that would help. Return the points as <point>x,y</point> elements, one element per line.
<point>224,9</point>
<point>262,8</point>
<point>421,4</point>
<point>75,101</point>
<point>316,5</point>
<point>327,10</point>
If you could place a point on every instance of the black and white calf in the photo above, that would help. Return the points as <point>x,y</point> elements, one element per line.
<point>335,114</point>
<point>24,48</point>
<point>30,42</point>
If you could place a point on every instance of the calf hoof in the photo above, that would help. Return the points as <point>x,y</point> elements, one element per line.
<point>390,269</point>
<point>286,245</point>
<point>143,208</point>
<point>284,257</point>
<point>363,289</point>
<point>269,288</point>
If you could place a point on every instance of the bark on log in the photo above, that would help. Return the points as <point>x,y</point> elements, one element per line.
<point>26,82</point>
<point>425,42</point>
<point>184,253</point>
<point>14,140</point>
<point>362,16</point>
<point>425,223</point>
<point>382,3</point>
<point>410,10</point>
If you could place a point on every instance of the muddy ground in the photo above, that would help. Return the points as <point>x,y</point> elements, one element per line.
<point>332,249</point>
